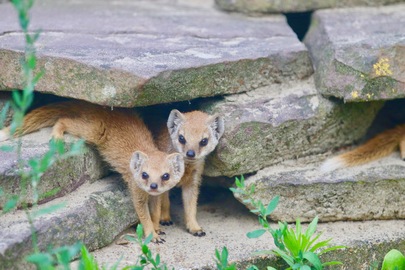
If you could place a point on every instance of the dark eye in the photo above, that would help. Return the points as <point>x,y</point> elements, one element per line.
<point>204,142</point>
<point>166,176</point>
<point>182,140</point>
<point>145,175</point>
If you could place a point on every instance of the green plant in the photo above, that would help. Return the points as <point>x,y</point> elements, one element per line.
<point>221,260</point>
<point>393,260</point>
<point>299,249</point>
<point>145,259</point>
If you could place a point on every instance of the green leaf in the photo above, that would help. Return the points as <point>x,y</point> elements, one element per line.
<point>272,205</point>
<point>313,259</point>
<point>10,204</point>
<point>331,263</point>
<point>17,98</point>
<point>87,261</point>
<point>3,113</point>
<point>269,268</point>
<point>320,244</point>
<point>148,239</point>
<point>48,210</point>
<point>7,148</point>
<point>139,231</point>
<point>256,233</point>
<point>311,227</point>
<point>287,258</point>
<point>224,256</point>
<point>157,259</point>
<point>145,249</point>
<point>305,267</point>
<point>41,260</point>
<point>331,249</point>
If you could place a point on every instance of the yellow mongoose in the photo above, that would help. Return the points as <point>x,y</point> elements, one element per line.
<point>194,135</point>
<point>124,142</point>
<point>380,146</point>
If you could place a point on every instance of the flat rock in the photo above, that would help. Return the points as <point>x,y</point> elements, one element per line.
<point>275,6</point>
<point>95,214</point>
<point>287,121</point>
<point>359,53</point>
<point>226,222</point>
<point>150,52</point>
<point>61,178</point>
<point>369,192</point>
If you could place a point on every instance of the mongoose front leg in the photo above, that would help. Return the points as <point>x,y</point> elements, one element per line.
<point>165,219</point>
<point>155,206</point>
<point>190,195</point>
<point>140,199</point>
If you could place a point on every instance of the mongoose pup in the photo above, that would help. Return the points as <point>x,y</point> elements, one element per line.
<point>194,135</point>
<point>380,146</point>
<point>124,141</point>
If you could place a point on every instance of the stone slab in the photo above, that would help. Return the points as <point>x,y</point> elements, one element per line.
<point>359,53</point>
<point>275,6</point>
<point>150,52</point>
<point>94,214</point>
<point>61,178</point>
<point>369,192</point>
<point>272,124</point>
<point>227,222</point>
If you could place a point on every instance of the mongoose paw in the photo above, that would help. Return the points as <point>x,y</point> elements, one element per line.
<point>158,240</point>
<point>159,232</point>
<point>199,233</point>
<point>166,222</point>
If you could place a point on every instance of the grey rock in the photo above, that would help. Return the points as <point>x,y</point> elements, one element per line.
<point>275,6</point>
<point>369,192</point>
<point>359,53</point>
<point>95,214</point>
<point>287,121</point>
<point>4,98</point>
<point>150,52</point>
<point>61,178</point>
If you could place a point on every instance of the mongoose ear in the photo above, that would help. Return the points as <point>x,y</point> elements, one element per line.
<point>176,162</point>
<point>217,125</point>
<point>174,122</point>
<point>137,160</point>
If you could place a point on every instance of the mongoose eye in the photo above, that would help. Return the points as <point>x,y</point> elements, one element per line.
<point>145,175</point>
<point>166,177</point>
<point>182,140</point>
<point>204,142</point>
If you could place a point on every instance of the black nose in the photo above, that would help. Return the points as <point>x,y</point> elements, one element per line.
<point>190,153</point>
<point>153,186</point>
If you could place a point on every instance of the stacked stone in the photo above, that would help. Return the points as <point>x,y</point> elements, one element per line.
<point>287,104</point>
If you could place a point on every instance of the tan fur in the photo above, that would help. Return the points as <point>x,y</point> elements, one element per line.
<point>194,126</point>
<point>380,146</point>
<point>124,142</point>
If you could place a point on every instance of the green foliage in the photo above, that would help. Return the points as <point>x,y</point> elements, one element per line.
<point>393,260</point>
<point>221,260</point>
<point>146,259</point>
<point>299,249</point>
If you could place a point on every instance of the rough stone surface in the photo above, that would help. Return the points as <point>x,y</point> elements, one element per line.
<point>94,215</point>
<point>61,178</point>
<point>369,192</point>
<point>275,6</point>
<point>359,53</point>
<point>4,98</point>
<point>227,222</point>
<point>150,52</point>
<point>287,121</point>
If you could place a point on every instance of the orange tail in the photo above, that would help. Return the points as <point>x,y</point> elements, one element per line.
<point>380,146</point>
<point>45,116</point>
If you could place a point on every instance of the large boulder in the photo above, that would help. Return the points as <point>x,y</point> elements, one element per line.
<point>61,178</point>
<point>95,214</point>
<point>369,192</point>
<point>276,6</point>
<point>148,53</point>
<point>287,121</point>
<point>359,53</point>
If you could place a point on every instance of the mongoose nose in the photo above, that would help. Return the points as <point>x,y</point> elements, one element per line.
<point>153,186</point>
<point>190,153</point>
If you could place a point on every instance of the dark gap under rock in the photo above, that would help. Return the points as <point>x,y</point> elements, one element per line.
<point>299,22</point>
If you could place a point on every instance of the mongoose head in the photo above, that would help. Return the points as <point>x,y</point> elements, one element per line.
<point>157,172</point>
<point>194,134</point>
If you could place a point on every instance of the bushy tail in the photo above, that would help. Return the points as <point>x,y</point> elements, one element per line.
<point>380,146</point>
<point>45,116</point>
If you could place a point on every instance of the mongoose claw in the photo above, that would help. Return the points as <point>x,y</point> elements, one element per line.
<point>200,233</point>
<point>158,240</point>
<point>166,222</point>
<point>160,232</point>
